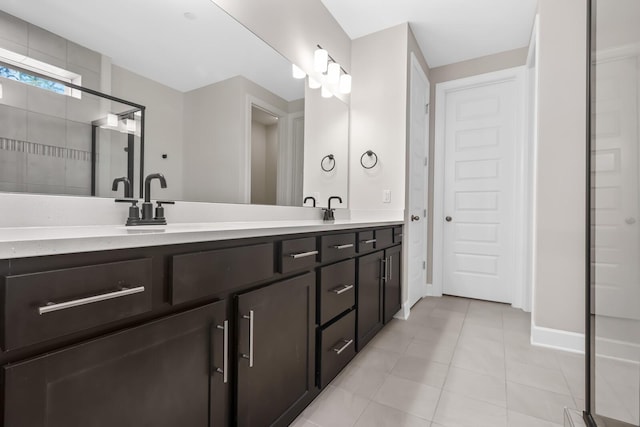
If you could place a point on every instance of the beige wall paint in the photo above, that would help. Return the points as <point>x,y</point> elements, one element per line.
<point>560,181</point>
<point>378,118</point>
<point>215,123</point>
<point>472,67</point>
<point>163,126</point>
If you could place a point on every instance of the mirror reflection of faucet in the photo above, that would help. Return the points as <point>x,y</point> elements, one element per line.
<point>127,186</point>
<point>313,199</point>
<point>327,213</point>
<point>148,217</point>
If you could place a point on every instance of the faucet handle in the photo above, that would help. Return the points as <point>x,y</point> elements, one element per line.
<point>134,210</point>
<point>127,200</point>
<point>160,210</point>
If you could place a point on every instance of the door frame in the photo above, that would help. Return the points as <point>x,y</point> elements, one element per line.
<point>518,293</point>
<point>415,66</point>
<point>284,148</point>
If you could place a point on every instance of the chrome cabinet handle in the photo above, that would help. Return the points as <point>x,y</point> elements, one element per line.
<point>303,254</point>
<point>347,343</point>
<point>250,355</point>
<point>345,246</point>
<point>383,269</point>
<point>225,348</point>
<point>390,267</point>
<point>51,306</point>
<point>342,289</point>
<point>367,242</point>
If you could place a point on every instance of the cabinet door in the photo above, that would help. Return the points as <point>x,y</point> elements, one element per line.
<point>159,374</point>
<point>392,298</point>
<point>276,352</point>
<point>369,297</point>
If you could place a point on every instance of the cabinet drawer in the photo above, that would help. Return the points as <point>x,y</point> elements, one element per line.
<point>338,346</point>
<point>366,242</point>
<point>337,289</point>
<point>46,305</point>
<point>397,235</point>
<point>384,237</point>
<point>297,254</point>
<point>337,246</point>
<point>201,274</point>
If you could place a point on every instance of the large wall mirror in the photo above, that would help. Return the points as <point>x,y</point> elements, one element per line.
<point>225,120</point>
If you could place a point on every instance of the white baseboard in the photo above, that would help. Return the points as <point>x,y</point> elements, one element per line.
<point>403,314</point>
<point>557,339</point>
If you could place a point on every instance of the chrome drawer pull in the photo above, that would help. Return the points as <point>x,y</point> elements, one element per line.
<point>348,245</point>
<point>250,355</point>
<point>225,348</point>
<point>367,242</point>
<point>303,254</point>
<point>347,343</point>
<point>342,289</point>
<point>51,306</point>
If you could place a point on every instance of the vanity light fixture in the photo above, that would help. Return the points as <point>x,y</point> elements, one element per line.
<point>333,76</point>
<point>314,84</point>
<point>297,72</point>
<point>320,58</point>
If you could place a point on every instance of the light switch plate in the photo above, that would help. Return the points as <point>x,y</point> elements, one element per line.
<point>386,196</point>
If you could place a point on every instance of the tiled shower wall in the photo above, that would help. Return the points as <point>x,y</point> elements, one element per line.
<point>45,137</point>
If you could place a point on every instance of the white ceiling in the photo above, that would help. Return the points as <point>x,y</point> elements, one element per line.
<point>447,31</point>
<point>154,38</point>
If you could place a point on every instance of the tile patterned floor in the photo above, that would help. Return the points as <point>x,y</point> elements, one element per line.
<point>455,363</point>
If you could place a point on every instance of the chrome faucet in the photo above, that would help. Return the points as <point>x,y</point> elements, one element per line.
<point>127,185</point>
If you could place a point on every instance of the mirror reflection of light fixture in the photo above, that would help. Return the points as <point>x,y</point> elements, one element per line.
<point>326,93</point>
<point>131,125</point>
<point>313,83</point>
<point>333,73</point>
<point>112,120</point>
<point>320,58</point>
<point>297,72</point>
<point>345,84</point>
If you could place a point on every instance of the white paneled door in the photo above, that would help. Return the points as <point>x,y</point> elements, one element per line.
<point>481,134</point>
<point>417,221</point>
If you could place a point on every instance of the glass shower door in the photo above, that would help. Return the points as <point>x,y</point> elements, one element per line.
<point>614,377</point>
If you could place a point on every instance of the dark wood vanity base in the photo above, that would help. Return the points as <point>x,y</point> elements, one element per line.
<point>227,333</point>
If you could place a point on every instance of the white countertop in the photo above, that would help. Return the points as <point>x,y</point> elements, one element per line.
<point>21,242</point>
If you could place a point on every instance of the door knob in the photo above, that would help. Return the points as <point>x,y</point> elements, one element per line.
<point>630,221</point>
<point>448,219</point>
<point>415,218</point>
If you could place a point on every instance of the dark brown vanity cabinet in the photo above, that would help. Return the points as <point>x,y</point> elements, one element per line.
<point>276,352</point>
<point>369,297</point>
<point>392,282</point>
<point>165,373</point>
